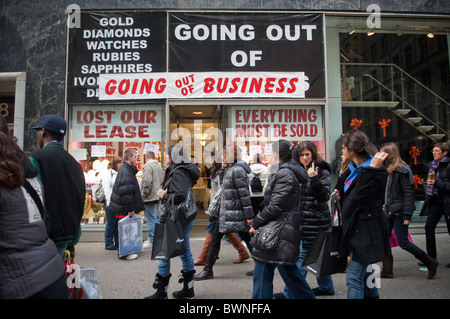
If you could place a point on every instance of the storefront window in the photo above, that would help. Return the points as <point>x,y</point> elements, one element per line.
<point>101,133</point>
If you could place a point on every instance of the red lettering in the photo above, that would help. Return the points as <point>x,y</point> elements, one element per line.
<point>281,85</point>
<point>116,131</point>
<point>292,82</point>
<point>209,85</point>
<point>126,117</point>
<point>131,131</point>
<point>160,86</point>
<point>100,131</point>
<point>124,86</point>
<point>86,132</point>
<point>255,116</point>
<point>151,116</point>
<point>110,87</point>
<point>143,132</point>
<point>268,88</point>
<point>312,116</point>
<point>238,116</point>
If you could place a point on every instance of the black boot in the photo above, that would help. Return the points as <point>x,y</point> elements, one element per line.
<point>431,264</point>
<point>387,270</point>
<point>187,278</point>
<point>207,272</point>
<point>161,284</point>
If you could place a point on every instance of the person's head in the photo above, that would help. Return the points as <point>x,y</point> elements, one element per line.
<point>281,151</point>
<point>51,127</point>
<point>394,159</point>
<point>258,158</point>
<point>129,156</point>
<point>149,156</point>
<point>176,154</point>
<point>231,154</point>
<point>305,153</point>
<point>11,167</point>
<point>356,144</point>
<point>117,163</point>
<point>440,150</point>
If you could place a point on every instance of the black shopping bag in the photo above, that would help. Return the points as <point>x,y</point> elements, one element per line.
<point>168,241</point>
<point>326,255</point>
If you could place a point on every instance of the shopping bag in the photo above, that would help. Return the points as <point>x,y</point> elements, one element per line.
<point>327,255</point>
<point>393,239</point>
<point>130,235</point>
<point>89,283</point>
<point>168,241</point>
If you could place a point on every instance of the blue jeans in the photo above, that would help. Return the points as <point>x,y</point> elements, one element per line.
<point>187,261</point>
<point>263,281</point>
<point>151,218</point>
<point>358,281</point>
<point>401,232</point>
<point>111,229</point>
<point>325,283</point>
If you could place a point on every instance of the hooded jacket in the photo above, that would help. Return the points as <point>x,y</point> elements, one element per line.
<point>314,210</point>
<point>400,193</point>
<point>180,178</point>
<point>281,199</point>
<point>236,205</point>
<point>126,195</point>
<point>261,171</point>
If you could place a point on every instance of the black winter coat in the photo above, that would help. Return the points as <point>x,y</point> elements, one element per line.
<point>235,205</point>
<point>179,180</point>
<point>126,195</point>
<point>364,223</point>
<point>314,210</point>
<point>281,199</point>
<point>400,193</point>
<point>442,184</point>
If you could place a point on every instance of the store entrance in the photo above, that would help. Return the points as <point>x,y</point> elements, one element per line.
<point>196,127</point>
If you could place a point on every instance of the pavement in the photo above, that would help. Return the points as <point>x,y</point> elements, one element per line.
<point>133,279</point>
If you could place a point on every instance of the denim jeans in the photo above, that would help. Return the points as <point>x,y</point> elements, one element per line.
<point>151,218</point>
<point>359,284</point>
<point>111,229</point>
<point>187,261</point>
<point>325,283</point>
<point>401,232</point>
<point>263,281</point>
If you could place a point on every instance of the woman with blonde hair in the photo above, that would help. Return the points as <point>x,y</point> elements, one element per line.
<point>399,207</point>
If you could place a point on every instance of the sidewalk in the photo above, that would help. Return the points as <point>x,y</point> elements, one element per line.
<point>123,279</point>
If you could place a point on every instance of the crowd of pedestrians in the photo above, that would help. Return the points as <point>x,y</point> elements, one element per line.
<point>277,211</point>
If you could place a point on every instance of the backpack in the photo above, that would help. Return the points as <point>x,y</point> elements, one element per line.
<point>256,185</point>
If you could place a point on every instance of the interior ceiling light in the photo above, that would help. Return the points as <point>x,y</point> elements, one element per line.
<point>197,113</point>
<point>370,33</point>
<point>430,35</point>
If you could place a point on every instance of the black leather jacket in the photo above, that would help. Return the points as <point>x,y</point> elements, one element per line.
<point>400,193</point>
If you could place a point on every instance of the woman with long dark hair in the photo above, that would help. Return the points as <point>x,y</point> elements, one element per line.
<point>364,224</point>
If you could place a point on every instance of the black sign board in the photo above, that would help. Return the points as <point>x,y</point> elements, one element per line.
<point>113,42</point>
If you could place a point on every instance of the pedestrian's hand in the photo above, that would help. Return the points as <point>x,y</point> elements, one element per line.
<point>161,193</point>
<point>252,230</point>
<point>313,171</point>
<point>131,214</point>
<point>378,159</point>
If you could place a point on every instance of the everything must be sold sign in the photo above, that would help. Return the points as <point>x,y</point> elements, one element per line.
<point>202,85</point>
<point>295,123</point>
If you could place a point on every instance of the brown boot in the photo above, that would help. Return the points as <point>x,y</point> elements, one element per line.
<point>387,268</point>
<point>201,260</point>
<point>237,243</point>
<point>431,264</point>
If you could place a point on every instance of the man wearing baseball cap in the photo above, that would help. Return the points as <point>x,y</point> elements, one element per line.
<point>63,181</point>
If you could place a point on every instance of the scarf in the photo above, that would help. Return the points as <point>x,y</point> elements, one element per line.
<point>431,190</point>
<point>354,171</point>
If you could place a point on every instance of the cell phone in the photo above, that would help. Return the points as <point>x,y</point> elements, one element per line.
<point>432,176</point>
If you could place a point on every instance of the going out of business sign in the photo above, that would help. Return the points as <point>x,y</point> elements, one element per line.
<point>122,56</point>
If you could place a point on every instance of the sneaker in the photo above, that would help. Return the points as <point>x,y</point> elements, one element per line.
<point>147,244</point>
<point>131,256</point>
<point>279,295</point>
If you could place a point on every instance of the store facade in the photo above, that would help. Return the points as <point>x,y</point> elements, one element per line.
<point>150,78</point>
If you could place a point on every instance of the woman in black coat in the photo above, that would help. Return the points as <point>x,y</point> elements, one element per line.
<point>281,201</point>
<point>399,207</point>
<point>364,224</point>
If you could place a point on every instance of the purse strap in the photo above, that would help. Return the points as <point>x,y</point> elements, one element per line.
<point>336,207</point>
<point>30,189</point>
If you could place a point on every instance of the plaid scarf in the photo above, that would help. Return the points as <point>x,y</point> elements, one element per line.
<point>431,190</point>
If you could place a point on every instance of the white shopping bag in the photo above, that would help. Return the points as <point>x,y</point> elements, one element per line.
<point>130,235</point>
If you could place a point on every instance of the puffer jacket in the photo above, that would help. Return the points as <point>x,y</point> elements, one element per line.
<point>400,193</point>
<point>281,199</point>
<point>236,206</point>
<point>180,179</point>
<point>314,210</point>
<point>126,195</point>
<point>29,260</point>
<point>442,184</point>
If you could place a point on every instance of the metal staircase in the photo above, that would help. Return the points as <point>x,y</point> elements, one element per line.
<point>387,85</point>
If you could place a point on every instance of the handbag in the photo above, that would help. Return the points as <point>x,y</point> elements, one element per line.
<point>100,194</point>
<point>328,254</point>
<point>426,206</point>
<point>168,241</point>
<point>267,236</point>
<point>214,206</point>
<point>186,211</point>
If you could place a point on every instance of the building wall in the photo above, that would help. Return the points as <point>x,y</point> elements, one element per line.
<point>33,37</point>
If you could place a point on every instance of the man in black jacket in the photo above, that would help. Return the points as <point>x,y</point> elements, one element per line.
<point>126,196</point>
<point>63,181</point>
